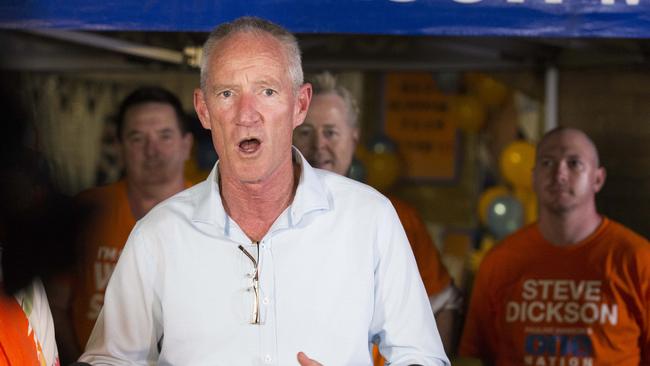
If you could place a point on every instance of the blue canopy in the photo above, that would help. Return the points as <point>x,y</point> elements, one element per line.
<point>536,18</point>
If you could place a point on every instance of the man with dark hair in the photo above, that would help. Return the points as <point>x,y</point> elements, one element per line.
<point>155,143</point>
<point>151,94</point>
<point>268,261</point>
<point>572,288</point>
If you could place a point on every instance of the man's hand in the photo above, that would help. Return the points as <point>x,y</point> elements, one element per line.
<point>303,360</point>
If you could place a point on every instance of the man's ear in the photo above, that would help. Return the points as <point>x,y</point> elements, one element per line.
<point>599,181</point>
<point>303,99</point>
<point>201,109</point>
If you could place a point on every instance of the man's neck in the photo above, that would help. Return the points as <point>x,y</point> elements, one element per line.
<point>564,229</point>
<point>143,197</point>
<point>256,206</point>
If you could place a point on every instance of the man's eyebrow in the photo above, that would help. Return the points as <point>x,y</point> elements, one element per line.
<point>219,87</point>
<point>267,81</point>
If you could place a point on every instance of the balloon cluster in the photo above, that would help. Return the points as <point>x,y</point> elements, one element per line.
<point>469,111</point>
<point>501,209</point>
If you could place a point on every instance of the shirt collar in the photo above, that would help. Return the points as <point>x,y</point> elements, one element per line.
<point>311,195</point>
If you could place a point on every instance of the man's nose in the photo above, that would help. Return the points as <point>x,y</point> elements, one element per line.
<point>561,171</point>
<point>150,147</point>
<point>320,141</point>
<point>248,111</point>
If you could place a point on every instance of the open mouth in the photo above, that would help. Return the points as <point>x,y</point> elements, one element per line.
<point>249,146</point>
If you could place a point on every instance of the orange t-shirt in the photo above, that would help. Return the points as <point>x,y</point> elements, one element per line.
<point>434,274</point>
<point>18,344</point>
<point>102,244</point>
<point>535,303</point>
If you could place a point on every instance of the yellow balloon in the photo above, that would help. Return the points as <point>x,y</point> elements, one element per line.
<point>516,163</point>
<point>491,92</point>
<point>467,113</point>
<point>382,170</point>
<point>486,198</point>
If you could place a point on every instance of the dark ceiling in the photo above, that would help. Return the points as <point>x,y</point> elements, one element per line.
<point>54,50</point>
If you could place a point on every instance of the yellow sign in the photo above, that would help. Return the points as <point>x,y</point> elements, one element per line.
<point>417,119</point>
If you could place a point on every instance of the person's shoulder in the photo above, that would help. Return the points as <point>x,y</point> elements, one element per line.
<point>626,239</point>
<point>102,192</point>
<point>103,198</point>
<point>626,234</point>
<point>179,206</point>
<point>344,189</point>
<point>185,199</point>
<point>402,207</point>
<point>512,245</point>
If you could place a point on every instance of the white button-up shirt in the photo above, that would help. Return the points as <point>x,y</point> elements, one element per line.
<point>336,273</point>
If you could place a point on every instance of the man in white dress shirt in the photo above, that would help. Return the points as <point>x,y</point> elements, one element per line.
<point>268,261</point>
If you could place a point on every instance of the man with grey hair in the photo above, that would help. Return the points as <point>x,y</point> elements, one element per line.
<point>262,263</point>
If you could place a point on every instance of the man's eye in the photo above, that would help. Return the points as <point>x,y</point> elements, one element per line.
<point>269,92</point>
<point>226,94</point>
<point>574,163</point>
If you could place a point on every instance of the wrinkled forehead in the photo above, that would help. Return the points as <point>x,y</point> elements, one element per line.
<point>248,46</point>
<point>567,143</point>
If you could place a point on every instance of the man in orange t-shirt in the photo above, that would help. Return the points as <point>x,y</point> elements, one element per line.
<point>327,139</point>
<point>571,289</point>
<point>155,143</point>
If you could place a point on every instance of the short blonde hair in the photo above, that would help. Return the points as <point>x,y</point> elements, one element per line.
<point>326,83</point>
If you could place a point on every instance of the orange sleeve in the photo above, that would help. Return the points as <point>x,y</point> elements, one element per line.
<point>645,331</point>
<point>643,264</point>
<point>433,272</point>
<point>638,275</point>
<point>17,340</point>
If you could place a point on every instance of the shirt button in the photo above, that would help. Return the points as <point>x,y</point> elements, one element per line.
<point>265,301</point>
<point>263,246</point>
<point>267,359</point>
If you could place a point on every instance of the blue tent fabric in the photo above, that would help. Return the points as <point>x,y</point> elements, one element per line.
<point>538,18</point>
